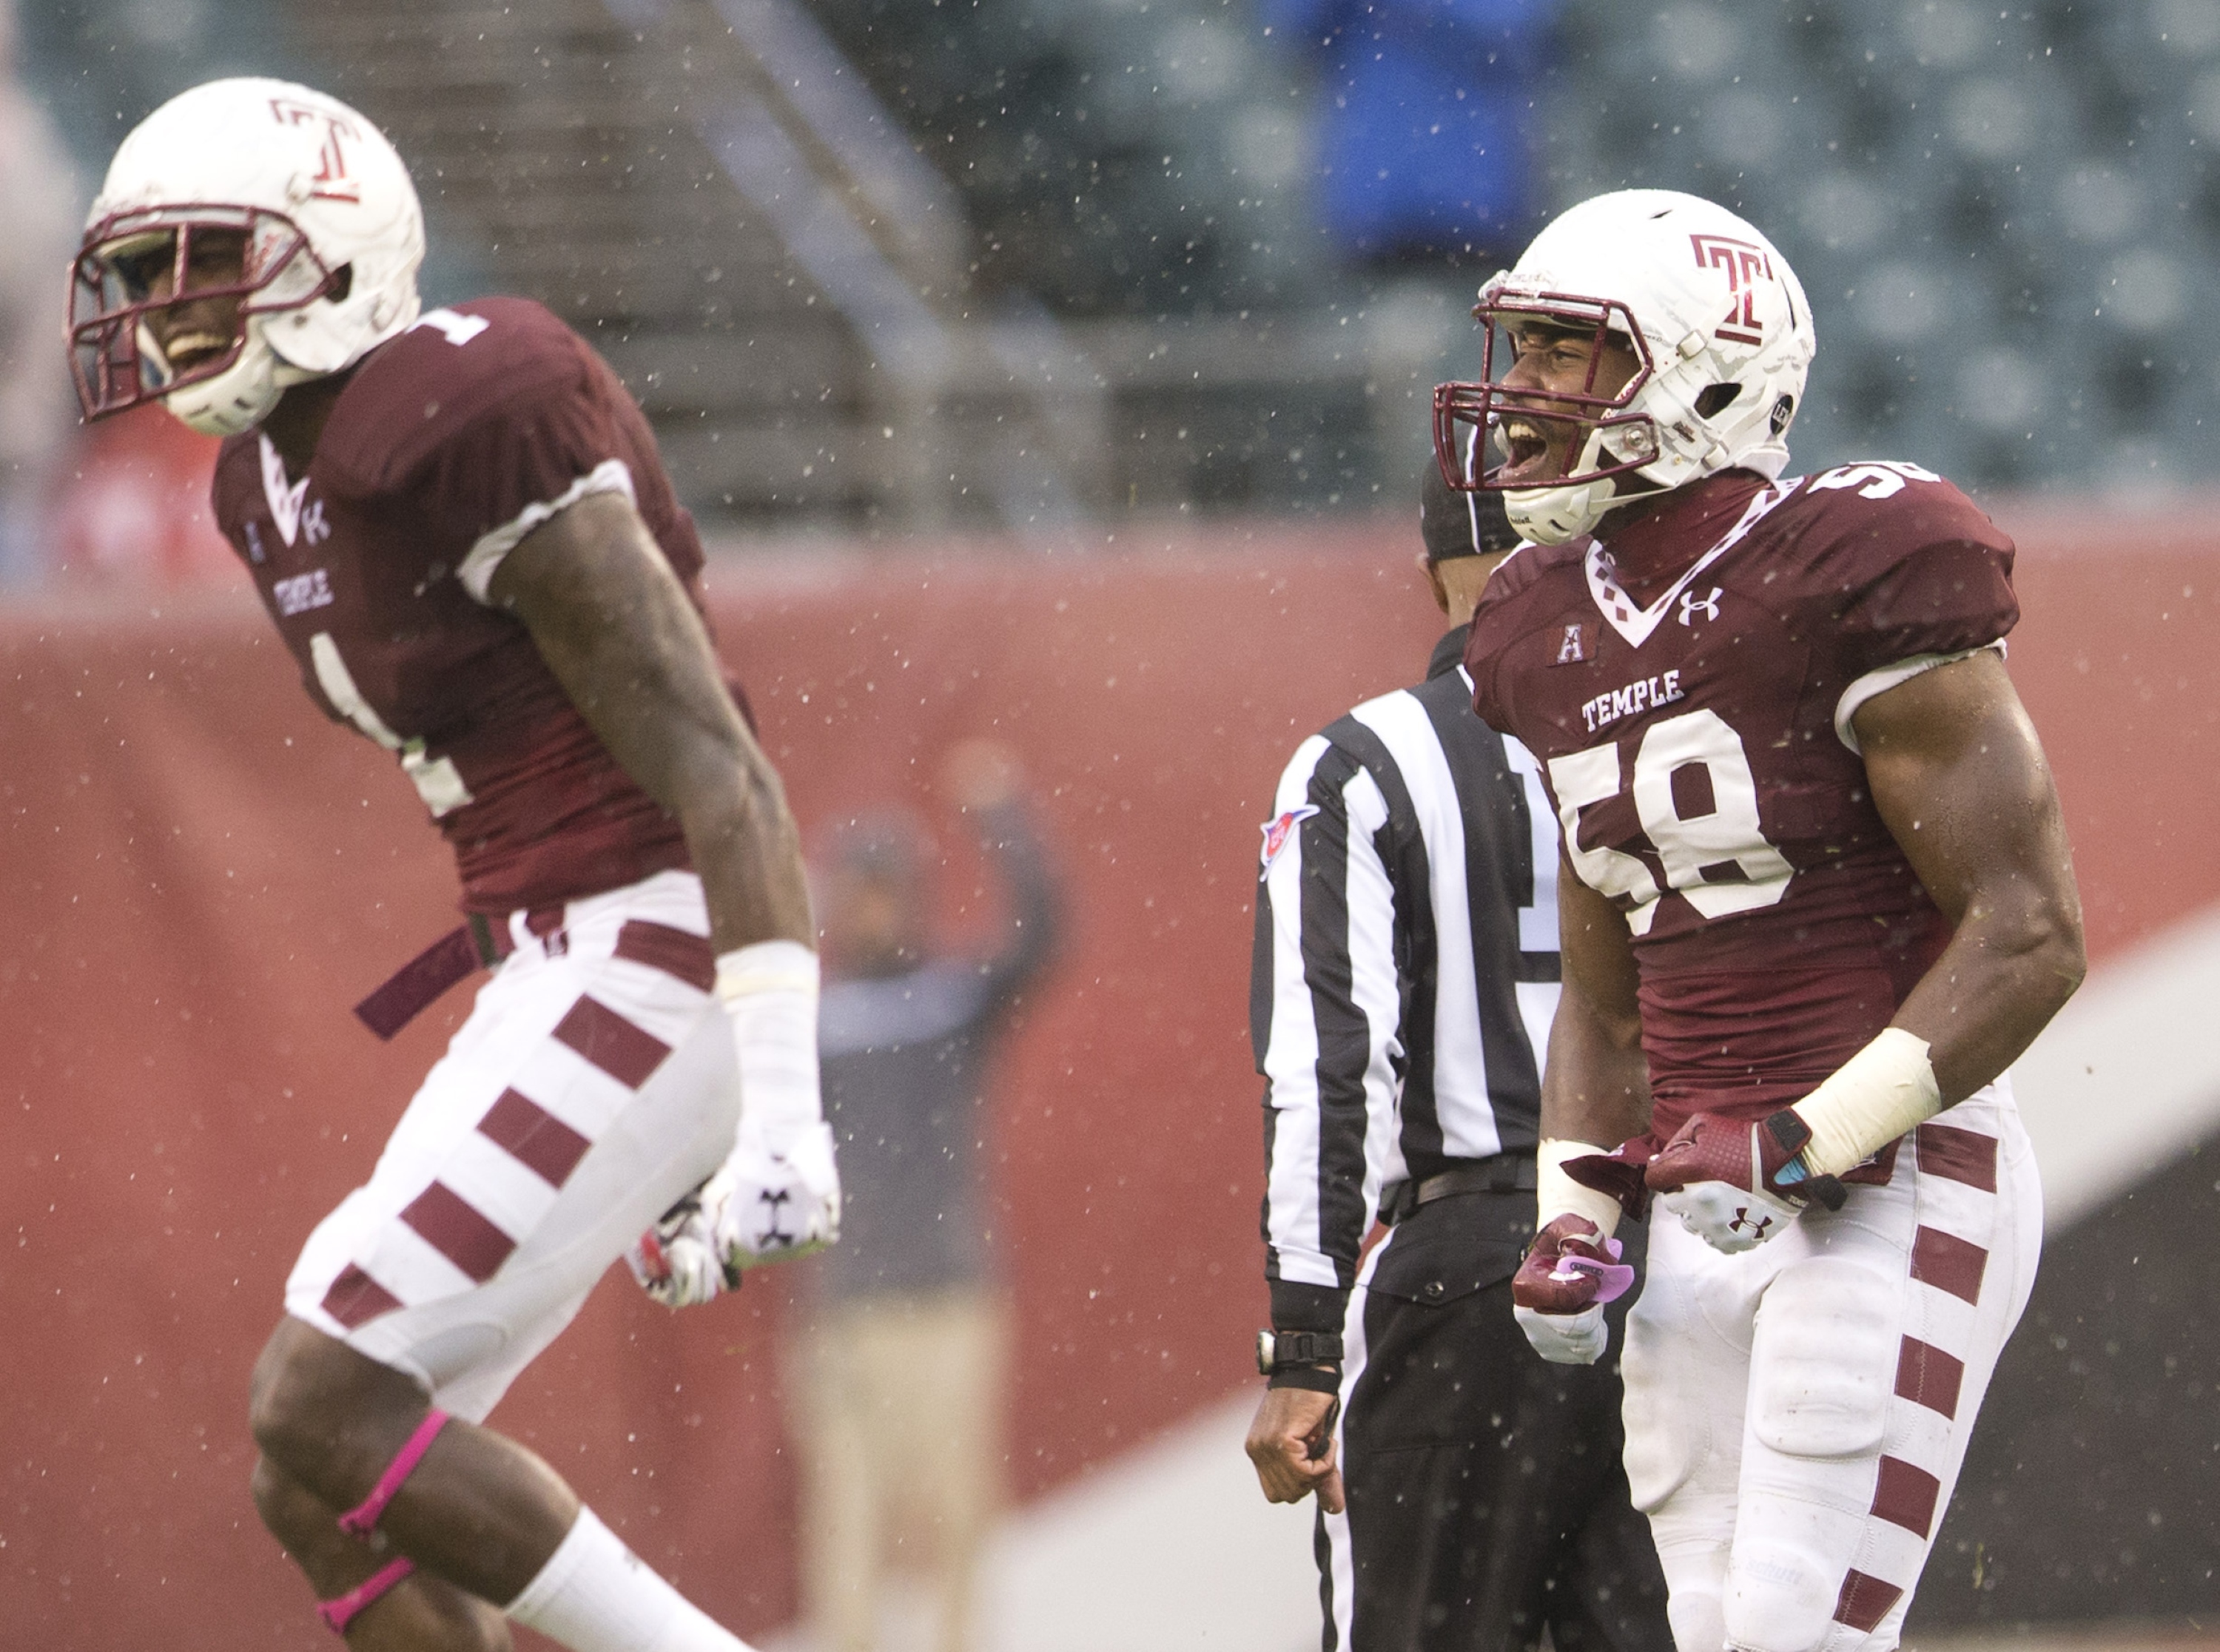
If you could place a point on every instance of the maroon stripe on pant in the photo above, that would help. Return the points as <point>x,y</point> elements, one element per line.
<point>1949,1263</point>
<point>457,1231</point>
<point>1864,1602</point>
<point>611,1043</point>
<point>1957,1154</point>
<point>355,1298</point>
<point>1906,1496</point>
<point>1927,1376</point>
<point>534,1136</point>
<point>672,950</point>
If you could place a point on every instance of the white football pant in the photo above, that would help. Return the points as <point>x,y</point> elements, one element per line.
<point>594,1084</point>
<point>1796,1415</point>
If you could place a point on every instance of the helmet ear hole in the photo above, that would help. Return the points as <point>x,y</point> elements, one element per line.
<point>341,284</point>
<point>1715,399</point>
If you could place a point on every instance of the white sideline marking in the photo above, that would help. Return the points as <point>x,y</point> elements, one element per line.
<point>2127,1079</point>
<point>1171,1548</point>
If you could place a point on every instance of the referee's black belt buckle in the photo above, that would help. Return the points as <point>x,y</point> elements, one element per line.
<point>1505,1173</point>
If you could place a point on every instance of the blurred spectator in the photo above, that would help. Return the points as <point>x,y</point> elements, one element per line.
<point>896,1396</point>
<point>133,506</point>
<point>1424,145</point>
<point>36,412</point>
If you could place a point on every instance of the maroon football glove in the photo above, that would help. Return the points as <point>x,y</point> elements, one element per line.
<point>1735,1182</point>
<point>1570,1268</point>
<point>1618,1174</point>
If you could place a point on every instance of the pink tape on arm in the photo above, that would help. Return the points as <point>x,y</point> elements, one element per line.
<point>339,1613</point>
<point>358,1522</point>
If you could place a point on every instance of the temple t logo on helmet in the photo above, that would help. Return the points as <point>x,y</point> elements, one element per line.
<point>251,234</point>
<point>1646,339</point>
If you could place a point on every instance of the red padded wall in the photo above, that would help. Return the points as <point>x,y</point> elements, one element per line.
<point>198,876</point>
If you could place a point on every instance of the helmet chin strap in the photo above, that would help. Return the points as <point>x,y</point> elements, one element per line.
<point>241,396</point>
<point>1559,515</point>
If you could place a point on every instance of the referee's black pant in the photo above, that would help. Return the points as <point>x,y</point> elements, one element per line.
<point>1486,1501</point>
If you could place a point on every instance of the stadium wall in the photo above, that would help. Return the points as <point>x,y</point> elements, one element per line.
<point>198,876</point>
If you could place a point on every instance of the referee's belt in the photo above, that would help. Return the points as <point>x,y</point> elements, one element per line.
<point>1512,1172</point>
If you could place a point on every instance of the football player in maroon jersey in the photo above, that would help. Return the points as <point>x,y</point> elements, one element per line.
<point>1817,898</point>
<point>459,524</point>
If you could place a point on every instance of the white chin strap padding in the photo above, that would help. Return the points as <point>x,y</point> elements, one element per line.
<point>235,400</point>
<point>1558,516</point>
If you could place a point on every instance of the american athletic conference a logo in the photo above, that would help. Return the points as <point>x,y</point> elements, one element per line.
<point>1745,262</point>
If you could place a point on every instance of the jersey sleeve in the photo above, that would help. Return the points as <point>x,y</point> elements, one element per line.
<point>519,464</point>
<point>1324,937</point>
<point>1918,578</point>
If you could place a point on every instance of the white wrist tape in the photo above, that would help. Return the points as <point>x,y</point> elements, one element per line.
<point>1869,1102</point>
<point>1557,1194</point>
<point>769,990</point>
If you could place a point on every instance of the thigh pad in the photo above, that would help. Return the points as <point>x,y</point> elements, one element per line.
<point>1823,1362</point>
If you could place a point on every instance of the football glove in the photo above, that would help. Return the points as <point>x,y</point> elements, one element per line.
<point>763,1204</point>
<point>1558,1294</point>
<point>1737,1182</point>
<point>780,1198</point>
<point>675,1260</point>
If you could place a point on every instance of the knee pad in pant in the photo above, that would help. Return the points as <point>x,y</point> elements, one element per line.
<point>1822,1373</point>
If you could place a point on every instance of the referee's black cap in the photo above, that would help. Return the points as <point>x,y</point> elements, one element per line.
<point>1460,524</point>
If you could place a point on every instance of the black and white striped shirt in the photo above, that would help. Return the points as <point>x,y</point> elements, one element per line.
<point>1404,972</point>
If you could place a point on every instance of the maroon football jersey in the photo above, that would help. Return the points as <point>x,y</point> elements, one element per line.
<point>449,443</point>
<point>1688,690</point>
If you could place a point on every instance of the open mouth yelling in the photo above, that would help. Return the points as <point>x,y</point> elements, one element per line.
<point>1533,450</point>
<point>197,348</point>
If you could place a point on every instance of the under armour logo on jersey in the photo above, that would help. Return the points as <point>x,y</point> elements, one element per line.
<point>1709,607</point>
<point>1573,646</point>
<point>313,528</point>
<point>1277,833</point>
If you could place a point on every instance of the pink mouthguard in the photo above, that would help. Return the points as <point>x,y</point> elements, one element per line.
<point>1614,1279</point>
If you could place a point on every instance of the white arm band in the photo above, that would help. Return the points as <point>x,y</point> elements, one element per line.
<point>1869,1102</point>
<point>1557,1194</point>
<point>770,989</point>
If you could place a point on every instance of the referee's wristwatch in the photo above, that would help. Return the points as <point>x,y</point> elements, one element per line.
<point>1294,1359</point>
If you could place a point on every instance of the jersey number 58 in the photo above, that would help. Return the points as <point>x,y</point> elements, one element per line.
<point>1719,860</point>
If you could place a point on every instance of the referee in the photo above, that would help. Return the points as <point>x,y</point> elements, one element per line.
<point>1405,968</point>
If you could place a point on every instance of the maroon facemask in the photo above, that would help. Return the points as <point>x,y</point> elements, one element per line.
<point>133,264</point>
<point>1468,414</point>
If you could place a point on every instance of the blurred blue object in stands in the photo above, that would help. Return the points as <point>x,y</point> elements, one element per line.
<point>1425,133</point>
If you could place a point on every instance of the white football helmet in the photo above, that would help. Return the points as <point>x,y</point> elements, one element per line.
<point>1715,317</point>
<point>321,238</point>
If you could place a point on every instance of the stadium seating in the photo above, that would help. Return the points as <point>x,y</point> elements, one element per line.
<point>1040,260</point>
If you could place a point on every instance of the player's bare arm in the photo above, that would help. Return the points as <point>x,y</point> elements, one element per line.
<point>1961,781</point>
<point>1595,1093</point>
<point>617,629</point>
<point>1595,1086</point>
<point>619,634</point>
